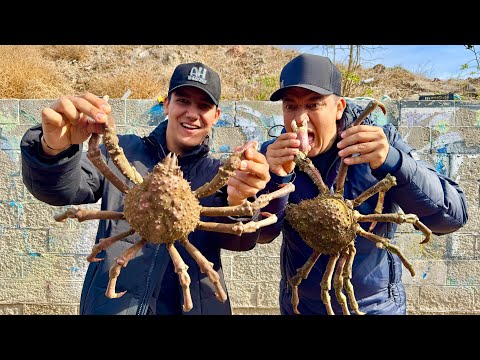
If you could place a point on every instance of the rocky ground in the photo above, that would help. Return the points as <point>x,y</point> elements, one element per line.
<point>248,72</point>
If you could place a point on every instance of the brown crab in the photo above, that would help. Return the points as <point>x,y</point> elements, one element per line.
<point>162,208</point>
<point>328,224</point>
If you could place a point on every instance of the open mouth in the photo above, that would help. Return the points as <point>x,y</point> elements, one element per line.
<point>311,137</point>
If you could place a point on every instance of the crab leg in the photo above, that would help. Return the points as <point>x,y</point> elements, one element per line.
<point>206,267</point>
<point>95,156</point>
<point>326,283</point>
<point>224,172</point>
<point>302,273</point>
<point>116,267</point>
<point>383,243</point>
<point>238,228</point>
<point>347,276</point>
<point>110,139</point>
<point>399,219</point>
<point>378,208</point>
<point>248,208</point>
<point>342,170</point>
<point>181,269</point>
<point>87,214</point>
<point>338,282</point>
<point>381,186</point>
<point>306,165</point>
<point>105,243</point>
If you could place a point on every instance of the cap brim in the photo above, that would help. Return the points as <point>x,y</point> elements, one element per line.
<point>277,95</point>
<point>198,87</point>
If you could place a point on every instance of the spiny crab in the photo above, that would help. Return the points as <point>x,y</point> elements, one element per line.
<point>329,225</point>
<point>162,208</point>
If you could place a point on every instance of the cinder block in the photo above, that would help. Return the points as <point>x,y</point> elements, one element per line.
<point>446,299</point>
<point>243,294</point>
<point>11,309</point>
<point>426,273</point>
<point>244,267</point>
<point>413,295</point>
<point>463,273</point>
<point>227,114</point>
<point>461,246</point>
<point>11,135</point>
<point>225,140</point>
<point>10,266</point>
<point>16,291</point>
<point>31,110</point>
<point>467,113</point>
<point>268,268</point>
<point>37,216</point>
<point>417,136</point>
<point>79,241</point>
<point>258,114</point>
<point>433,114</point>
<point>50,309</point>
<point>465,167</point>
<point>64,292</point>
<point>24,241</point>
<point>9,111</point>
<point>141,113</point>
<point>410,245</point>
<point>227,266</point>
<point>55,267</point>
<point>268,293</point>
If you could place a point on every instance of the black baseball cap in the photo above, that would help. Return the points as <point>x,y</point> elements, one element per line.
<point>312,72</point>
<point>197,75</point>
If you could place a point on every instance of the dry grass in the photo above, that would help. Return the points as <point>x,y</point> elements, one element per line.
<point>248,72</point>
<point>24,74</point>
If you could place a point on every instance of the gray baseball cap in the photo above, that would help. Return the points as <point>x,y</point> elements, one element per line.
<point>312,72</point>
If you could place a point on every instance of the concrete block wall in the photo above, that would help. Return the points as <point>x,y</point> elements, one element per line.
<point>42,263</point>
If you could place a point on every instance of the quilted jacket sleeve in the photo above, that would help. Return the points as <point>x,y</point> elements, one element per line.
<point>65,179</point>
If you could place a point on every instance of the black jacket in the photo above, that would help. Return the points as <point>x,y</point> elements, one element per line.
<point>69,179</point>
<point>438,201</point>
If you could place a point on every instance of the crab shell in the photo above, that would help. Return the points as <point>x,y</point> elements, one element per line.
<point>162,208</point>
<point>325,223</point>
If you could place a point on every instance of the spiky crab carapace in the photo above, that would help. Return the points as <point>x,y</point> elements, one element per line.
<point>329,224</point>
<point>162,208</point>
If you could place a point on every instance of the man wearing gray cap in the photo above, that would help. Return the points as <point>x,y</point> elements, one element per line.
<point>310,91</point>
<point>56,172</point>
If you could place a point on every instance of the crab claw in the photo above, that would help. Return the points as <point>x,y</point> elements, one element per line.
<point>302,135</point>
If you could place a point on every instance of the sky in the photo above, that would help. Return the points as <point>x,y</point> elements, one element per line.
<point>432,61</point>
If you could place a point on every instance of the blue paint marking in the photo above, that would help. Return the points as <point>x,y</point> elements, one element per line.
<point>424,275</point>
<point>442,159</point>
<point>27,247</point>
<point>224,148</point>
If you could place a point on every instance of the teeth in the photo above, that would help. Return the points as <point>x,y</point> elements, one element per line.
<point>188,126</point>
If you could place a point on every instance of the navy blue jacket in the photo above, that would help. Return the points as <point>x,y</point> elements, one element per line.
<point>438,201</point>
<point>70,178</point>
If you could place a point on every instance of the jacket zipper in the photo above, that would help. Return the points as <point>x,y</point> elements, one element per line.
<point>142,308</point>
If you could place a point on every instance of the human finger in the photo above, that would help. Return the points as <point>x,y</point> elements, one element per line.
<point>239,189</point>
<point>76,109</point>
<point>359,148</point>
<point>360,137</point>
<point>252,179</point>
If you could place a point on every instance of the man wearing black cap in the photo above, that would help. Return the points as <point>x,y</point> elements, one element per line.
<point>310,91</point>
<point>55,171</point>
